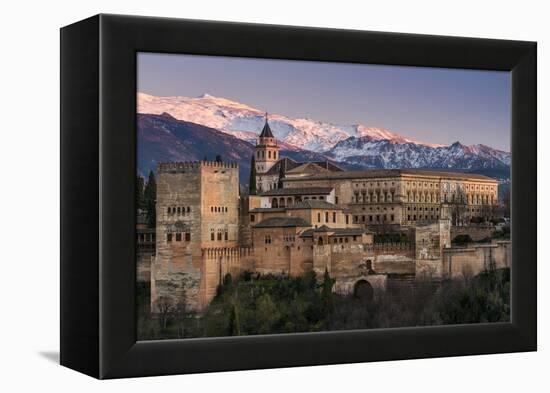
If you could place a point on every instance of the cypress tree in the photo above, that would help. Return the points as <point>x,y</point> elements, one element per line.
<point>252,180</point>
<point>139,192</point>
<point>281,174</point>
<point>326,291</point>
<point>150,198</point>
<point>219,158</point>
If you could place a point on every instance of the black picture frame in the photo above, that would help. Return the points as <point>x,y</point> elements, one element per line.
<point>98,155</point>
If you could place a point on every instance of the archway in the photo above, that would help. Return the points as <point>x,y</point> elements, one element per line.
<point>363,290</point>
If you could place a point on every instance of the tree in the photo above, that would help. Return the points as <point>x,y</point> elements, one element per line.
<point>150,199</point>
<point>458,206</point>
<point>281,174</point>
<point>219,158</point>
<point>165,308</point>
<point>252,180</point>
<point>326,291</point>
<point>234,322</point>
<point>139,192</point>
<point>506,203</point>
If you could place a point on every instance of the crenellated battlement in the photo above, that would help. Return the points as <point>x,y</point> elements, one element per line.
<point>168,167</point>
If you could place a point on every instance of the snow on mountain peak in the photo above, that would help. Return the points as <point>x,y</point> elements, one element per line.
<point>245,122</point>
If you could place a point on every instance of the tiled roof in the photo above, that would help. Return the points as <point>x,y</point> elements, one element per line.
<point>276,222</point>
<point>381,173</point>
<point>266,132</point>
<point>298,191</point>
<point>288,164</point>
<point>336,231</point>
<point>267,209</point>
<point>314,204</point>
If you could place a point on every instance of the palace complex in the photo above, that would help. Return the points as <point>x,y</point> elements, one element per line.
<point>312,216</point>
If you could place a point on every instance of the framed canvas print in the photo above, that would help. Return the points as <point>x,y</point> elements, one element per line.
<point>239,196</point>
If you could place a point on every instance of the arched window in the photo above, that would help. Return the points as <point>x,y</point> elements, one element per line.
<point>274,202</point>
<point>318,217</point>
<point>320,241</point>
<point>269,154</point>
<point>188,209</point>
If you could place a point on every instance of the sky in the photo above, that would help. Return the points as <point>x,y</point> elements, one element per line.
<point>435,105</point>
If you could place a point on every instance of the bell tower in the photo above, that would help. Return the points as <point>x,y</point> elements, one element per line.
<point>267,150</point>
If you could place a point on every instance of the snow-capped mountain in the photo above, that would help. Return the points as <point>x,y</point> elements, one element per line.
<point>376,153</point>
<point>245,122</point>
<point>356,145</point>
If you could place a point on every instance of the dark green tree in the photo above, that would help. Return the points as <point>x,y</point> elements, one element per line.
<point>326,291</point>
<point>252,181</point>
<point>234,323</point>
<point>219,158</point>
<point>150,198</point>
<point>281,174</point>
<point>139,192</point>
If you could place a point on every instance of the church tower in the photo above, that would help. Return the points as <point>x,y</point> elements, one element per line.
<point>267,150</point>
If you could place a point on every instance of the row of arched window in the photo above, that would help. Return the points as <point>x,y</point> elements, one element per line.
<point>179,210</point>
<point>421,197</point>
<point>261,154</point>
<point>373,197</point>
<point>421,217</point>
<point>178,236</point>
<point>327,217</point>
<point>374,218</point>
<point>219,235</point>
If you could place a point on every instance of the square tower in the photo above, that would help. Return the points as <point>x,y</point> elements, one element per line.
<point>197,207</point>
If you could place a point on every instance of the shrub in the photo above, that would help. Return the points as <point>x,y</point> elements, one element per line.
<point>462,239</point>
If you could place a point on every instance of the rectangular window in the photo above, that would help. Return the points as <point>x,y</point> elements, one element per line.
<point>178,237</point>
<point>334,217</point>
<point>318,217</point>
<point>252,218</point>
<point>363,218</point>
<point>169,237</point>
<point>347,219</point>
<point>219,236</point>
<point>226,236</point>
<point>326,216</point>
<point>187,236</point>
<point>391,217</point>
<point>336,200</point>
